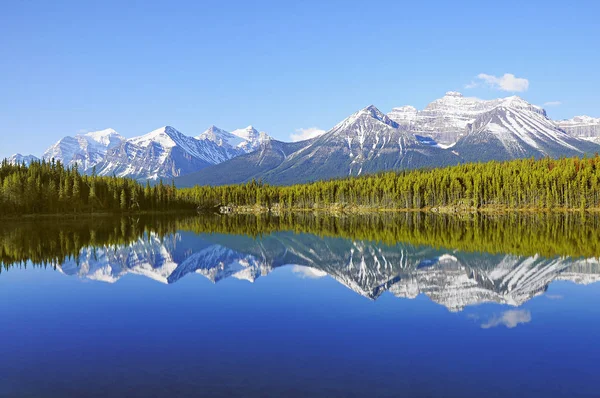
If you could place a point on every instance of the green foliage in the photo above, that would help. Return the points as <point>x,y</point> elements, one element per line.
<point>571,183</point>
<point>49,188</point>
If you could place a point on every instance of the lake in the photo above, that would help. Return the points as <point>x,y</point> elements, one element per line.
<point>295,305</point>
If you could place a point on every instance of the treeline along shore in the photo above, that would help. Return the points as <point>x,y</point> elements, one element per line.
<point>525,184</point>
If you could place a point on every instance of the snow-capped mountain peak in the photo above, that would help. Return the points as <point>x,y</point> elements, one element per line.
<point>163,153</point>
<point>17,158</point>
<point>85,150</point>
<point>368,114</point>
<point>166,136</point>
<point>249,133</point>
<point>519,103</point>
<point>251,137</point>
<point>105,137</point>
<point>221,137</point>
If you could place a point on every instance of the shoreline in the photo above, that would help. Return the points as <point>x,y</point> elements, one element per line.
<point>358,210</point>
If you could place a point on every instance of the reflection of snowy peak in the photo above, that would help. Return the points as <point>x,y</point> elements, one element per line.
<point>513,281</point>
<point>218,262</point>
<point>160,260</point>
<point>149,256</point>
<point>454,280</point>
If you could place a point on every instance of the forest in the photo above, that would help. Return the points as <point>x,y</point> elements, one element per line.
<point>50,188</point>
<point>545,184</point>
<point>567,183</point>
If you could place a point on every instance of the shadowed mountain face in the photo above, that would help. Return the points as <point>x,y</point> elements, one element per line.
<point>451,278</point>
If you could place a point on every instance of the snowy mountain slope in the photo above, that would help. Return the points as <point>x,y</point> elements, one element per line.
<point>17,158</point>
<point>251,138</point>
<point>445,119</point>
<point>162,153</point>
<point>221,137</point>
<point>243,168</point>
<point>245,140</point>
<point>516,129</point>
<point>85,150</point>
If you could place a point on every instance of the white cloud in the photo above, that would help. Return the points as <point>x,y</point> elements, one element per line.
<point>507,82</point>
<point>510,319</point>
<point>552,103</point>
<point>82,131</point>
<point>308,272</point>
<point>305,134</point>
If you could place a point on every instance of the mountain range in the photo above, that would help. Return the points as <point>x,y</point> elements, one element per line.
<point>450,130</point>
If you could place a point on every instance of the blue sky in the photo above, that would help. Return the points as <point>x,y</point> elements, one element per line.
<point>71,66</point>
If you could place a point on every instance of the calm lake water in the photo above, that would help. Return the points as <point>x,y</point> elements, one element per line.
<point>381,306</point>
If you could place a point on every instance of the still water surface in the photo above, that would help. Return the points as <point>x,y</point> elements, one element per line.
<point>308,306</point>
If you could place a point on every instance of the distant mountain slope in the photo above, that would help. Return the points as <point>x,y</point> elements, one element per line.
<point>267,157</point>
<point>244,140</point>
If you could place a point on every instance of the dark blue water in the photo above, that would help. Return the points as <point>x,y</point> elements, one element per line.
<point>298,315</point>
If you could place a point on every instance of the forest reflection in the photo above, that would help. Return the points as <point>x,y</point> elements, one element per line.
<point>50,242</point>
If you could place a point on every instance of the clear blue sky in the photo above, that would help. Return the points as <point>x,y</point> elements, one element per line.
<point>70,66</point>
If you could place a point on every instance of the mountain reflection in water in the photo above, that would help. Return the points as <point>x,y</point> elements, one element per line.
<point>166,251</point>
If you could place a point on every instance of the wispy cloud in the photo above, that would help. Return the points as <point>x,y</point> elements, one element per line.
<point>83,131</point>
<point>308,272</point>
<point>305,134</point>
<point>507,82</point>
<point>510,319</point>
<point>552,103</point>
